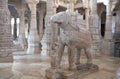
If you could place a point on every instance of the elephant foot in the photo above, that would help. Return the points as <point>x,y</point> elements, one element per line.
<point>72,68</point>
<point>77,63</point>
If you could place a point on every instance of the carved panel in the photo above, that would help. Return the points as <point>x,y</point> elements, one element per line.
<point>4,19</point>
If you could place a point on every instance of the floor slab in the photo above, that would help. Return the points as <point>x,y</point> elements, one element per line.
<point>34,66</point>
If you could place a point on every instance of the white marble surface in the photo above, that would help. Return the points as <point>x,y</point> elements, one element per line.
<point>34,66</point>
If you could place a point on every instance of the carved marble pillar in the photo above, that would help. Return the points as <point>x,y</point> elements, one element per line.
<point>108,28</point>
<point>87,12</point>
<point>117,28</point>
<point>55,29</point>
<point>33,38</point>
<point>87,17</point>
<point>41,30</point>
<point>108,49</point>
<point>5,33</point>
<point>72,4</point>
<point>22,39</point>
<point>26,30</point>
<point>47,37</point>
<point>94,28</point>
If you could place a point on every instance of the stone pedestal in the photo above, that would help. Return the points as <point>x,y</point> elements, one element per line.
<point>54,74</point>
<point>80,72</point>
<point>5,33</point>
<point>33,38</point>
<point>74,74</point>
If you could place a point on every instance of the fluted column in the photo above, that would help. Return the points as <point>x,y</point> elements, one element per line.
<point>41,24</point>
<point>5,33</point>
<point>108,28</point>
<point>72,4</point>
<point>33,38</point>
<point>117,23</point>
<point>55,29</point>
<point>22,39</point>
<point>87,12</point>
<point>94,27</point>
<point>108,43</point>
<point>47,37</point>
<point>87,17</point>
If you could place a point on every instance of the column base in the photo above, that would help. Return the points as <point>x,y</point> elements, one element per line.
<point>45,51</point>
<point>53,74</point>
<point>45,48</point>
<point>6,57</point>
<point>108,35</point>
<point>107,47</point>
<point>22,41</point>
<point>23,44</point>
<point>95,51</point>
<point>33,49</point>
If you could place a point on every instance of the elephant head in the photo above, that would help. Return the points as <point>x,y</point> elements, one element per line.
<point>59,18</point>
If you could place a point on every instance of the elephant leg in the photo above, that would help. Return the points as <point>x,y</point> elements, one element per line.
<point>71,57</point>
<point>60,53</point>
<point>78,56</point>
<point>88,55</point>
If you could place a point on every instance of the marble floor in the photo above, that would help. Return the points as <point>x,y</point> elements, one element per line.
<point>34,66</point>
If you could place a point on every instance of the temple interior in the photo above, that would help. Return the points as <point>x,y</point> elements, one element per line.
<point>59,39</point>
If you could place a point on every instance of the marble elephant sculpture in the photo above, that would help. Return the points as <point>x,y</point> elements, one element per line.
<point>73,38</point>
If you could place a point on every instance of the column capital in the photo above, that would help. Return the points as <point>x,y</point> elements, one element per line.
<point>32,6</point>
<point>85,4</point>
<point>72,1</point>
<point>108,10</point>
<point>106,2</point>
<point>32,1</point>
<point>93,7</point>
